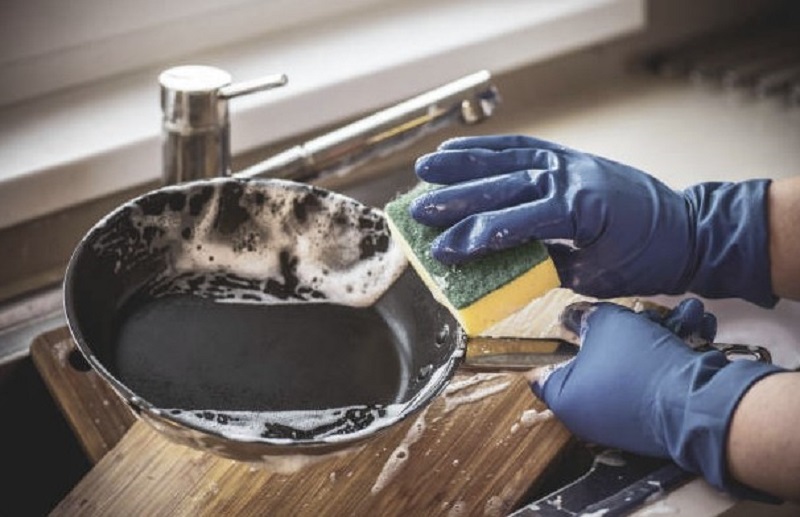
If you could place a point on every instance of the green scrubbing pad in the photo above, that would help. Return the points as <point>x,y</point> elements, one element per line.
<point>481,292</point>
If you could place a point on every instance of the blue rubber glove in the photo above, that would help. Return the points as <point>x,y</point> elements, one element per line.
<point>636,385</point>
<point>611,230</point>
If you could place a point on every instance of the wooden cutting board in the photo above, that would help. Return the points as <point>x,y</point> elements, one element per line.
<point>478,449</point>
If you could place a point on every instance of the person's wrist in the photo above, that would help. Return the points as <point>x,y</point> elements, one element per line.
<point>693,411</point>
<point>730,257</point>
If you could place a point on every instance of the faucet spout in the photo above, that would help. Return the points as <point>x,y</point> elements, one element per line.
<point>196,126</point>
<point>468,100</point>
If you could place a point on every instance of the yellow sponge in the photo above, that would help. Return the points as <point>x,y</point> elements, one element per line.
<point>483,291</point>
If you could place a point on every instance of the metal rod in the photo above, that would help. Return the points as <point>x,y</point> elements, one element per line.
<point>256,85</point>
<point>468,100</point>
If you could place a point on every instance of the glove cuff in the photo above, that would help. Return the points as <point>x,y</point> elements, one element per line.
<point>732,241</point>
<point>695,410</point>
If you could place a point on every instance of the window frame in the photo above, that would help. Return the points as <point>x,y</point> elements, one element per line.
<point>48,45</point>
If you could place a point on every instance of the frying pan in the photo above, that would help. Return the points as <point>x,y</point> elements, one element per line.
<point>258,317</point>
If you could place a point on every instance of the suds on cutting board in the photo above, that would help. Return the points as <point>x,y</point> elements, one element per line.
<point>532,417</point>
<point>401,454</point>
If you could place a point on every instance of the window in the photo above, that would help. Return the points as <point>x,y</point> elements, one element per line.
<point>79,113</point>
<point>46,45</point>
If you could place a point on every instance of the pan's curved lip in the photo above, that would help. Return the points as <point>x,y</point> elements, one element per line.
<point>77,335</point>
<point>271,445</point>
<point>72,317</point>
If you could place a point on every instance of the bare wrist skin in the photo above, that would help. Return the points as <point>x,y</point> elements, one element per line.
<point>784,237</point>
<point>763,446</point>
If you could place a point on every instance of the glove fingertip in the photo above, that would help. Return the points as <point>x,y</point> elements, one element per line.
<point>572,317</point>
<point>546,382</point>
<point>420,210</point>
<point>689,320</point>
<point>536,388</point>
<point>693,306</point>
<point>444,252</point>
<point>432,208</point>
<point>424,168</point>
<point>459,142</point>
<point>708,327</point>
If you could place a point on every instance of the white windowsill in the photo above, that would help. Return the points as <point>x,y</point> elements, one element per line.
<point>93,140</point>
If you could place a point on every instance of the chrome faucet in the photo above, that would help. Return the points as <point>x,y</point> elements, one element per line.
<point>196,126</point>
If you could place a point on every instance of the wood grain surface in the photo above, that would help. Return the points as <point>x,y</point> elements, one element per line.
<point>97,415</point>
<point>478,449</point>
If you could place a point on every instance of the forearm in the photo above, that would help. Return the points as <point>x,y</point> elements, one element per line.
<point>784,237</point>
<point>763,446</point>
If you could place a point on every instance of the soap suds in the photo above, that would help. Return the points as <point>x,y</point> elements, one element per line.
<point>495,506</point>
<point>541,374</point>
<point>401,454</point>
<point>62,350</point>
<point>266,239</point>
<point>470,381</point>
<point>458,509</point>
<point>332,262</point>
<point>532,417</point>
<point>293,463</point>
<point>452,402</point>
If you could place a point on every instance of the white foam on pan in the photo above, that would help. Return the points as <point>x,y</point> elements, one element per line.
<point>337,246</point>
<point>328,253</point>
<point>250,425</point>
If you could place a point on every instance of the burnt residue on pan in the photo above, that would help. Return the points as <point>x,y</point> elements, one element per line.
<point>258,310</point>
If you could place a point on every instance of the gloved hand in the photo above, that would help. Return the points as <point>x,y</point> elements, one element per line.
<point>635,385</point>
<point>611,230</point>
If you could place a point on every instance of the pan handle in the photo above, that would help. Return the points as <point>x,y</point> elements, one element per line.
<point>516,354</point>
<point>519,354</point>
